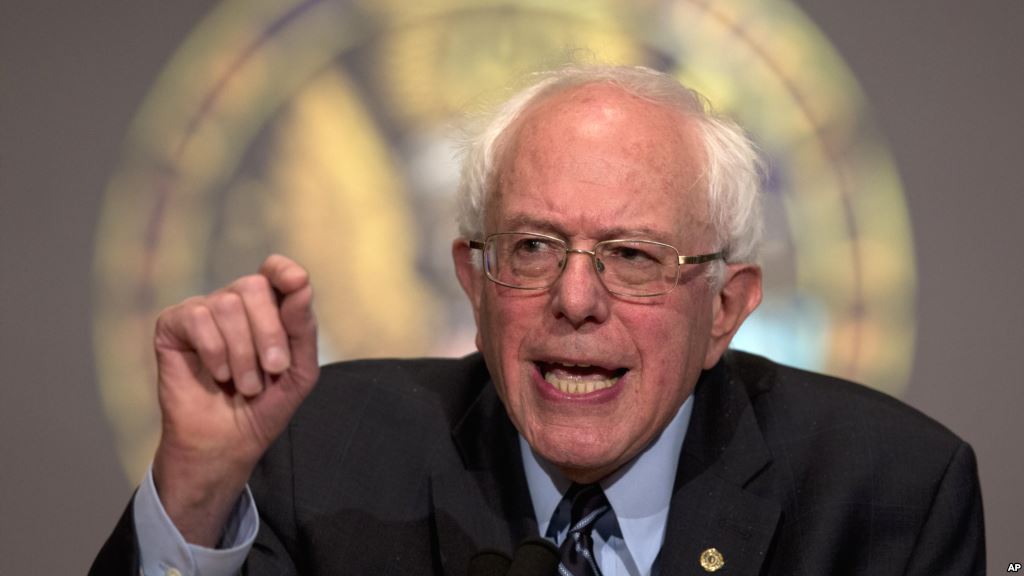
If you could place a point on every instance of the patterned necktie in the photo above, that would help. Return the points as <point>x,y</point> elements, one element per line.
<point>577,550</point>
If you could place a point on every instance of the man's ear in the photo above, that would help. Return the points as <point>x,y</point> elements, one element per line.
<point>735,300</point>
<point>470,275</point>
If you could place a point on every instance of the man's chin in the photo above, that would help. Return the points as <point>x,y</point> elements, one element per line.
<point>577,462</point>
<point>587,473</point>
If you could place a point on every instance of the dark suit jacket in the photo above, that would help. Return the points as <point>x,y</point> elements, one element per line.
<point>410,467</point>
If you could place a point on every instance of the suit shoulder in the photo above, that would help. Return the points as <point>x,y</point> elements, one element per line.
<point>850,464</point>
<point>368,413</point>
<point>795,403</point>
<point>369,427</point>
<point>438,386</point>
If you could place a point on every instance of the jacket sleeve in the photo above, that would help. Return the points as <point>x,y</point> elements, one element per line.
<point>120,553</point>
<point>272,487</point>
<point>147,542</point>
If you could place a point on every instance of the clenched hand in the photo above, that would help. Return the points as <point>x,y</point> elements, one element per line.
<point>233,366</point>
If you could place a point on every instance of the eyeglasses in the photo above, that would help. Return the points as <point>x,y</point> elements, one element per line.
<point>625,267</point>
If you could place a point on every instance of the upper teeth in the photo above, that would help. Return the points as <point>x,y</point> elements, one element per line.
<point>578,386</point>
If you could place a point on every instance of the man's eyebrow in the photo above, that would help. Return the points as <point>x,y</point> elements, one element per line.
<point>527,223</point>
<point>638,232</point>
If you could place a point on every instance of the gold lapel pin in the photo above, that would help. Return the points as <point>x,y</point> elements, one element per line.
<point>711,560</point>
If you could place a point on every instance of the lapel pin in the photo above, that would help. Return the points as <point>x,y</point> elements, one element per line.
<point>711,560</point>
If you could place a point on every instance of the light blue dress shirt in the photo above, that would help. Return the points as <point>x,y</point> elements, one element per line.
<point>626,541</point>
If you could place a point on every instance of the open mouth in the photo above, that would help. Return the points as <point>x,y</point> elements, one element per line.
<point>579,378</point>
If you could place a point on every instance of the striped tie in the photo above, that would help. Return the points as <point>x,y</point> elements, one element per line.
<point>577,551</point>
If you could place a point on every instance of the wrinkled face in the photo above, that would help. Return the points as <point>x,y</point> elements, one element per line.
<point>590,378</point>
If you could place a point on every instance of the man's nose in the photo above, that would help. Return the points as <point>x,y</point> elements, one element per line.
<point>578,295</point>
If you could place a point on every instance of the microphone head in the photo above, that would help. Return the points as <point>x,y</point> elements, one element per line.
<point>489,563</point>
<point>534,557</point>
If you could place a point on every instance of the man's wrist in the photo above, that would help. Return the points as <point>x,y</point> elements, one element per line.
<point>198,496</point>
<point>163,547</point>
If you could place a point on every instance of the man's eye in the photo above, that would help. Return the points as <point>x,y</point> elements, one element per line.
<point>533,246</point>
<point>631,254</point>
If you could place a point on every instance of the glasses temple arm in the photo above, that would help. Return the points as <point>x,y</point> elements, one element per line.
<point>702,258</point>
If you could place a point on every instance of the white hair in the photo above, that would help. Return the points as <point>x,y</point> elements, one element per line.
<point>732,174</point>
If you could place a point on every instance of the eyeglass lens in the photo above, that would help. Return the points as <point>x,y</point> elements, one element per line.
<point>634,267</point>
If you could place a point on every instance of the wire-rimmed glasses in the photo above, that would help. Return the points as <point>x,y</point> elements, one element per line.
<point>531,261</point>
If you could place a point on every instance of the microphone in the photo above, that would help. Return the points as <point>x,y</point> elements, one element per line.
<point>489,563</point>
<point>533,557</point>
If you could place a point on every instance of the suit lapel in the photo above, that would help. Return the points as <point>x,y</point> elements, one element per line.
<point>723,451</point>
<point>481,502</point>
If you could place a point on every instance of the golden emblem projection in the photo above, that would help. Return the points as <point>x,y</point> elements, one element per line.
<point>325,130</point>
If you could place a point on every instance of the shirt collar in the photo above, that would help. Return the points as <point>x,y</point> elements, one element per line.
<point>639,492</point>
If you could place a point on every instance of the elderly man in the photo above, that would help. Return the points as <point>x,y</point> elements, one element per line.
<point>609,227</point>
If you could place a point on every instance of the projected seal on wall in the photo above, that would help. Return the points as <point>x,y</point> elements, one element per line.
<point>321,129</point>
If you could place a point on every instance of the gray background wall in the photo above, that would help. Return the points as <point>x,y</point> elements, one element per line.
<point>945,78</point>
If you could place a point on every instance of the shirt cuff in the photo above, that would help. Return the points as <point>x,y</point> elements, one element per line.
<point>164,552</point>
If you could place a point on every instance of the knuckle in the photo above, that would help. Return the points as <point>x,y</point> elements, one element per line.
<point>212,348</point>
<point>251,284</point>
<point>168,314</point>
<point>196,315</point>
<point>226,302</point>
<point>165,317</point>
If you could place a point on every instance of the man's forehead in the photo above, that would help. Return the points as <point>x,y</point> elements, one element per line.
<point>601,110</point>
<point>603,128</point>
<point>598,149</point>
